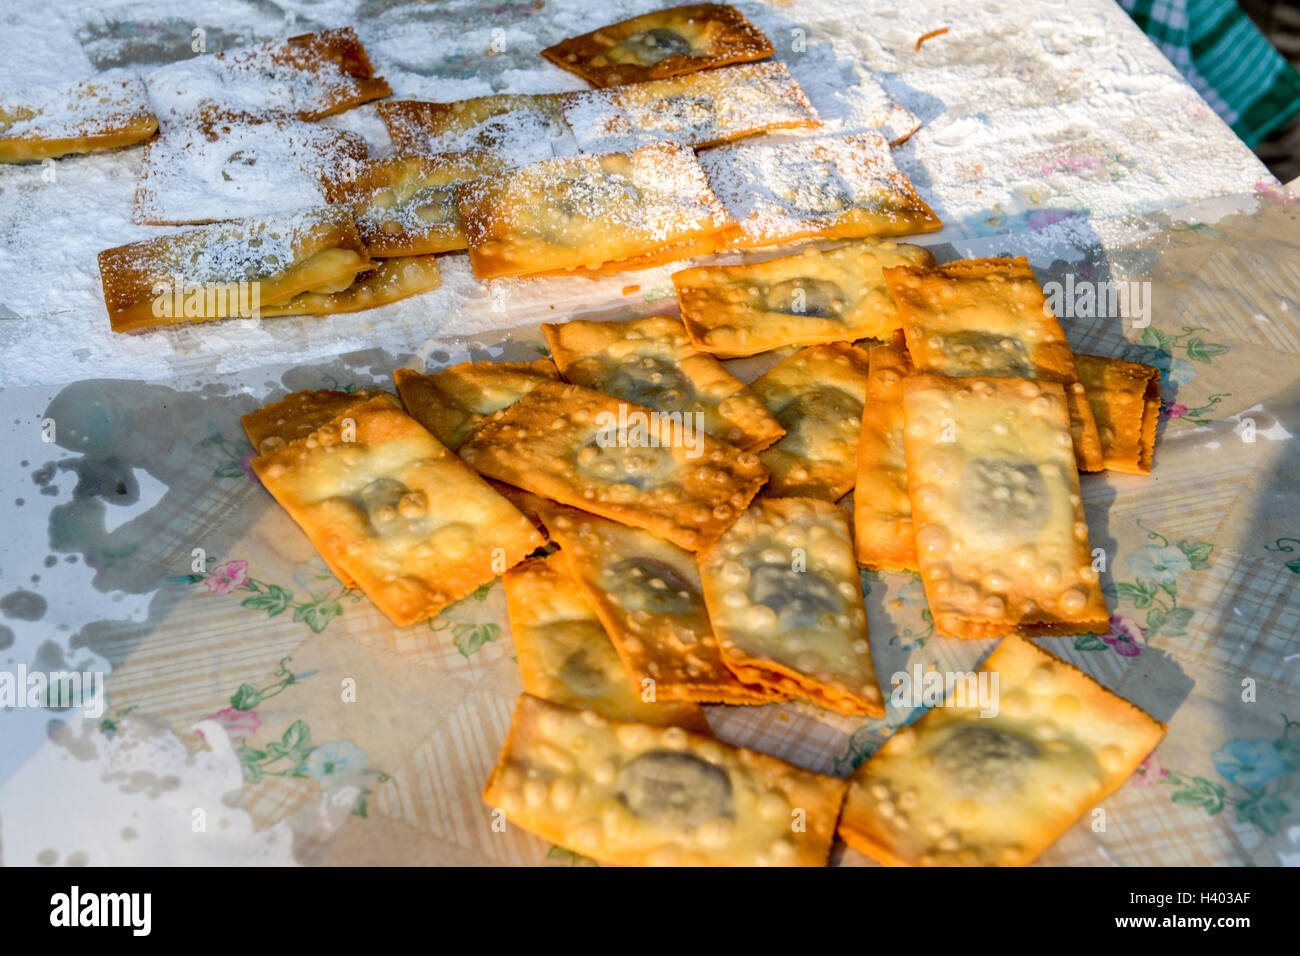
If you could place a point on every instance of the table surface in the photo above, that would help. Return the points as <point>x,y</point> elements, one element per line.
<point>1052,130</point>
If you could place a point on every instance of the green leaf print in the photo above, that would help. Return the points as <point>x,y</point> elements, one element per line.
<point>470,637</point>
<point>1201,793</point>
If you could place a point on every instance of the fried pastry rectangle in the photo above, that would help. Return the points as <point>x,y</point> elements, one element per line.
<point>518,127</point>
<point>216,271</point>
<point>389,280</point>
<point>646,591</point>
<point>635,794</point>
<point>1000,532</point>
<point>303,77</point>
<point>818,187</point>
<point>699,109</point>
<point>566,657</point>
<point>817,395</point>
<point>621,461</point>
<point>990,317</point>
<point>397,512</point>
<point>661,44</point>
<point>452,402</point>
<point>296,416</point>
<point>237,170</point>
<point>961,787</point>
<point>85,117</point>
<point>406,205</point>
<point>651,362</point>
<point>813,297</point>
<point>1125,401</point>
<point>584,211</point>
<point>785,599</point>
<point>882,511</point>
<point>299,414</point>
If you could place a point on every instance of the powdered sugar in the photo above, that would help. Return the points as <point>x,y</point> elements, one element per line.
<point>240,170</point>
<point>86,108</point>
<point>1005,84</point>
<point>694,110</point>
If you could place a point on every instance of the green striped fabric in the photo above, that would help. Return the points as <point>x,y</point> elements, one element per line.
<point>1229,62</point>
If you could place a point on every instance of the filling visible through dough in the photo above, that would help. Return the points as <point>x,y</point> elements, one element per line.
<point>674,789</point>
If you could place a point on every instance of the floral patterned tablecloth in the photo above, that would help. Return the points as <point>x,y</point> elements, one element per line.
<point>140,544</point>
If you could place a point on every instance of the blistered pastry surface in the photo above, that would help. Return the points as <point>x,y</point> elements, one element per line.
<point>813,297</point>
<point>633,794</point>
<point>785,599</point>
<point>647,593</point>
<point>1000,530</point>
<point>882,510</point>
<point>829,187</point>
<point>584,211</point>
<point>262,251</point>
<point>990,317</point>
<point>817,395</point>
<point>697,109</point>
<point>452,402</point>
<point>518,127</point>
<point>1125,401</point>
<point>399,513</point>
<point>566,657</point>
<point>963,786</point>
<point>567,443</point>
<point>406,205</point>
<point>651,362</point>
<point>660,44</point>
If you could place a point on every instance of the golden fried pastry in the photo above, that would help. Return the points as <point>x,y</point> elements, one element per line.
<point>698,109</point>
<point>585,211</point>
<point>817,395</point>
<point>451,403</point>
<point>1000,532</point>
<point>990,317</point>
<point>299,414</point>
<point>238,170</point>
<point>651,362</point>
<point>618,460</point>
<point>406,205</point>
<point>397,512</point>
<point>961,787</point>
<point>882,511</point>
<point>389,280</point>
<point>566,658</point>
<point>518,127</point>
<point>85,117</point>
<point>813,297</point>
<point>1125,401</point>
<point>241,268</point>
<point>646,592</point>
<point>816,187</point>
<point>661,44</point>
<point>304,77</point>
<point>785,599</point>
<point>634,794</point>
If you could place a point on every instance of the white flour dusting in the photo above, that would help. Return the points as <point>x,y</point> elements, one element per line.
<point>1034,112</point>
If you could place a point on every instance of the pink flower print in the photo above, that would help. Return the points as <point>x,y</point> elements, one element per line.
<point>228,577</point>
<point>247,468</point>
<point>1173,409</point>
<point>237,723</point>
<point>1125,637</point>
<point>1150,771</point>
